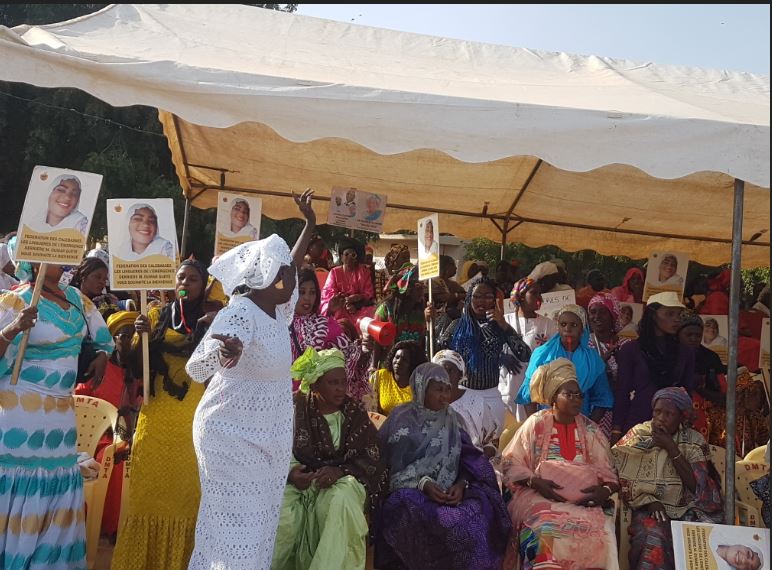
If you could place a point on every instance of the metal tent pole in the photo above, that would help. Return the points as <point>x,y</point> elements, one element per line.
<point>184,240</point>
<point>734,326</point>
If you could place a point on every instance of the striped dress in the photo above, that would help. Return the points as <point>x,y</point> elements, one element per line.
<point>42,515</point>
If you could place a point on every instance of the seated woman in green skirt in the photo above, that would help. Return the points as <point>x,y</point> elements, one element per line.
<point>335,471</point>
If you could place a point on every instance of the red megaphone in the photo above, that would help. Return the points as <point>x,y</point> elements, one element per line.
<point>384,333</point>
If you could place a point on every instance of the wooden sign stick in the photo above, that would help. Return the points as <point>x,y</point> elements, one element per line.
<point>41,277</point>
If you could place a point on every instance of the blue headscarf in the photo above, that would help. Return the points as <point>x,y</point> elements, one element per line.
<point>467,338</point>
<point>590,368</point>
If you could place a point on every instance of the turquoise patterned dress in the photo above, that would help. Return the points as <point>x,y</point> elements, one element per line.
<point>42,515</point>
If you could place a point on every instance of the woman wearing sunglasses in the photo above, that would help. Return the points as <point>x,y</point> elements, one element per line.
<point>558,468</point>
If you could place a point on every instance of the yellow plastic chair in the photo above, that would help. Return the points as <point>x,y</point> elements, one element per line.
<point>93,418</point>
<point>511,425</point>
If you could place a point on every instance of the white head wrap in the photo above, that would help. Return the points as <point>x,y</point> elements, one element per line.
<point>254,264</point>
<point>452,357</point>
<point>542,270</point>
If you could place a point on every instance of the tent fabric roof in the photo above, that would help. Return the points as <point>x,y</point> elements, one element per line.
<point>580,152</point>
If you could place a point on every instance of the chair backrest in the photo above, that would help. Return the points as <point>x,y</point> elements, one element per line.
<point>93,417</point>
<point>321,276</point>
<point>757,455</point>
<point>745,473</point>
<point>377,419</point>
<point>718,458</point>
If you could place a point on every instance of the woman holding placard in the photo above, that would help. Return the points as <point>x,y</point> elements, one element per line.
<point>39,475</point>
<point>243,426</point>
<point>159,528</point>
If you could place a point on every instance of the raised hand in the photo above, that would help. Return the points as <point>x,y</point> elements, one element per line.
<point>304,205</point>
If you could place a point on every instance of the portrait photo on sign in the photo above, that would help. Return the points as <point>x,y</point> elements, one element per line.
<point>725,547</point>
<point>371,207</point>
<point>140,228</point>
<point>629,316</point>
<point>428,247</point>
<point>666,271</point>
<point>238,220</point>
<point>59,205</point>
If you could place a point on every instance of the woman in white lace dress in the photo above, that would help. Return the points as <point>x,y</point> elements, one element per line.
<point>242,429</point>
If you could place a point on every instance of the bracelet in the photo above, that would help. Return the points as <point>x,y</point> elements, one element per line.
<point>608,488</point>
<point>424,480</point>
<point>5,338</point>
<point>676,457</point>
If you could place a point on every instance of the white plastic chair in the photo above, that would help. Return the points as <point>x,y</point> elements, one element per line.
<point>94,417</point>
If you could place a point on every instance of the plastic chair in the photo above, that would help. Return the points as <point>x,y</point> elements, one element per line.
<point>746,472</point>
<point>377,419</point>
<point>321,276</point>
<point>93,418</point>
<point>757,455</point>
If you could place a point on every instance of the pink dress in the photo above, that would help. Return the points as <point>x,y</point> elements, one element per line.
<point>356,282</point>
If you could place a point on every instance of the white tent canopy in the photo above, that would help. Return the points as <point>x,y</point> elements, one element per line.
<point>543,148</point>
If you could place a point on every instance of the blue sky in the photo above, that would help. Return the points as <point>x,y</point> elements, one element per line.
<point>721,36</point>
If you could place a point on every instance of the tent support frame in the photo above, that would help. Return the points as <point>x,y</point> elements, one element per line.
<point>491,216</point>
<point>506,229</point>
<point>731,376</point>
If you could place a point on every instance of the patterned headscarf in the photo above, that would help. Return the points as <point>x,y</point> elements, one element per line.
<point>520,289</point>
<point>404,278</point>
<point>677,395</point>
<point>312,365</point>
<point>610,302</point>
<point>254,264</point>
<point>575,310</point>
<point>548,379</point>
<point>396,251</point>
<point>420,442</point>
<point>690,319</point>
<point>453,357</point>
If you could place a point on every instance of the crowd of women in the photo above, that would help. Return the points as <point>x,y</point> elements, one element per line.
<point>277,435</point>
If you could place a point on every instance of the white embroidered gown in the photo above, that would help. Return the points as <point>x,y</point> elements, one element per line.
<point>242,433</point>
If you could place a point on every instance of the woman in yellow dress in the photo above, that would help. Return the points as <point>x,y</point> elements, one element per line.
<point>158,531</point>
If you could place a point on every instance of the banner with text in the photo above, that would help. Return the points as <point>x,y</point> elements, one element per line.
<point>143,244</point>
<point>356,210</point>
<point>57,215</point>
<point>429,247</point>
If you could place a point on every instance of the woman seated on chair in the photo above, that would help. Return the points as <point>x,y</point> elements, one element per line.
<point>559,470</point>
<point>391,384</point>
<point>471,408</point>
<point>573,342</point>
<point>666,474</point>
<point>444,509</point>
<point>335,471</point>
